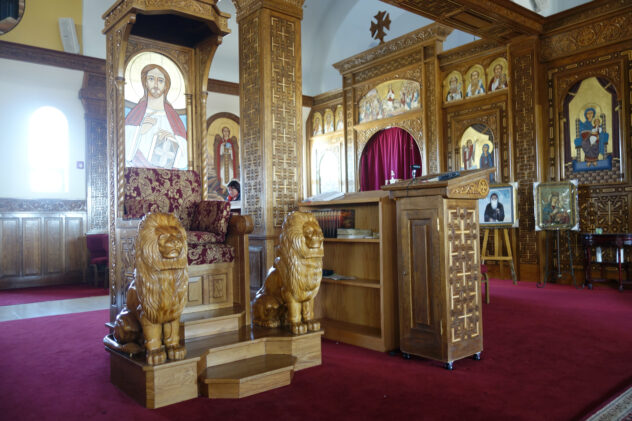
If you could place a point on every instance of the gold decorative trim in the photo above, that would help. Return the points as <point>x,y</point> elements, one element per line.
<point>609,30</point>
<point>435,30</point>
<point>475,190</point>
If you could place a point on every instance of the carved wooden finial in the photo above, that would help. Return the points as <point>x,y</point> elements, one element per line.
<point>383,20</point>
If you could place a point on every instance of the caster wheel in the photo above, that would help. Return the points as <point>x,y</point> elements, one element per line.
<point>476,356</point>
<point>393,353</point>
<point>449,365</point>
<point>406,355</point>
<point>590,286</point>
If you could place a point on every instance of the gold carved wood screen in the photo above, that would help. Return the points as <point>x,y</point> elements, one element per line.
<point>410,58</point>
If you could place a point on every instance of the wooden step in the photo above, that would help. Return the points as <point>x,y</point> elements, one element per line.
<point>210,322</point>
<point>247,377</point>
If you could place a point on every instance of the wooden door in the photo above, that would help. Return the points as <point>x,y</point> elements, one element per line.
<point>420,288</point>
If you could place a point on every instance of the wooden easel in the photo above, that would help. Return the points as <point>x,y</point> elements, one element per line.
<point>498,249</point>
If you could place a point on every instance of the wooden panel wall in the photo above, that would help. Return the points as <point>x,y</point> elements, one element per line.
<point>41,248</point>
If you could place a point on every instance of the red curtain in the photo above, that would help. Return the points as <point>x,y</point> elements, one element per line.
<point>391,149</point>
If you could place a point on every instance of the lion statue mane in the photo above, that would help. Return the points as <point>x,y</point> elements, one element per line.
<point>157,295</point>
<point>287,295</point>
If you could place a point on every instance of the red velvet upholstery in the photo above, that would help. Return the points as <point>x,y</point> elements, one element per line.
<point>169,191</point>
<point>212,216</point>
<point>98,246</point>
<point>179,192</point>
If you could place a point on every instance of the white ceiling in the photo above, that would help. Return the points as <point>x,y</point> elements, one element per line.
<point>332,30</point>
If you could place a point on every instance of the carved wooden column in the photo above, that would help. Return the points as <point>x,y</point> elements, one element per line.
<point>527,133</point>
<point>270,111</point>
<point>92,95</point>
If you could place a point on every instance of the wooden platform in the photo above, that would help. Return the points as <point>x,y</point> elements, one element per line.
<point>247,377</point>
<point>232,364</point>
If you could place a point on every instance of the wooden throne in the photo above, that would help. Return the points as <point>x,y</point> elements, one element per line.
<point>159,54</point>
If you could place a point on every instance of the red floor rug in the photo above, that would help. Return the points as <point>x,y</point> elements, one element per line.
<point>50,293</point>
<point>555,353</point>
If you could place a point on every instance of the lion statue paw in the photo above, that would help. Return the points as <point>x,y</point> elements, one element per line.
<point>313,325</point>
<point>298,328</point>
<point>176,352</point>
<point>288,292</point>
<point>157,296</point>
<point>156,356</point>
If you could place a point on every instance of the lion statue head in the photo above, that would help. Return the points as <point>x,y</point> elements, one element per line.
<point>287,295</point>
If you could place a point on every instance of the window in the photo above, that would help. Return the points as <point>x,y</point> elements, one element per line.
<point>48,151</point>
<point>11,12</point>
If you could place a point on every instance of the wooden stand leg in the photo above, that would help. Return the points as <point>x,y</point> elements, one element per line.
<point>498,250</point>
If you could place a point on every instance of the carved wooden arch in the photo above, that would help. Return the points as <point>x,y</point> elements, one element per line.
<point>217,116</point>
<point>566,84</point>
<point>209,121</point>
<point>412,127</point>
<point>178,55</point>
<point>490,115</point>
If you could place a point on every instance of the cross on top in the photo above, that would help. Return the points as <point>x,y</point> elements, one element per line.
<point>383,20</point>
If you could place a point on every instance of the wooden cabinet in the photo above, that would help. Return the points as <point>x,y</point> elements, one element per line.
<point>440,309</point>
<point>361,311</point>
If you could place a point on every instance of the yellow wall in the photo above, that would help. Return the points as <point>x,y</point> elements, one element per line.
<point>39,26</point>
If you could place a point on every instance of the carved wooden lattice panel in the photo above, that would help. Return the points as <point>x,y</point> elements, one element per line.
<point>526,171</point>
<point>97,177</point>
<point>463,276</point>
<point>586,37</point>
<point>605,207</point>
<point>387,67</point>
<point>285,153</point>
<point>431,112</point>
<point>350,107</point>
<point>252,159</point>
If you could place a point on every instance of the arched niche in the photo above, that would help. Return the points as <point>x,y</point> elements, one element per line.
<point>591,127</point>
<point>223,145</point>
<point>389,153</point>
<point>476,149</point>
<point>155,97</point>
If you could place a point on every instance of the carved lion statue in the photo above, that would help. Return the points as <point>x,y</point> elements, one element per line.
<point>287,295</point>
<point>157,296</point>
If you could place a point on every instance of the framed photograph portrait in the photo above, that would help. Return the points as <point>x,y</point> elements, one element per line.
<point>499,208</point>
<point>556,205</point>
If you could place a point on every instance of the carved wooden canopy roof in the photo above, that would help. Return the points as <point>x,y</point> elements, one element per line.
<point>494,19</point>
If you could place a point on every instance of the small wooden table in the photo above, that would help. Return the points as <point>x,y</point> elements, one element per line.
<point>605,240</point>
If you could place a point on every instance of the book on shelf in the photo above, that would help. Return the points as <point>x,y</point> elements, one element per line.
<point>330,220</point>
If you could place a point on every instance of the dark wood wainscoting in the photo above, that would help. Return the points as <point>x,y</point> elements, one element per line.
<point>42,248</point>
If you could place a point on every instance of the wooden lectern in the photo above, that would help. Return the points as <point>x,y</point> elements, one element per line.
<point>439,264</point>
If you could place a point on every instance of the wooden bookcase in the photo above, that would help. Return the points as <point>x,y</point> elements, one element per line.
<point>361,311</point>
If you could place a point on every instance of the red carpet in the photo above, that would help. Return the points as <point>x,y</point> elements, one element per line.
<point>50,293</point>
<point>550,354</point>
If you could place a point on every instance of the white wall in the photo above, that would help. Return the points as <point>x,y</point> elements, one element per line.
<point>221,103</point>
<point>93,38</point>
<point>25,87</point>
